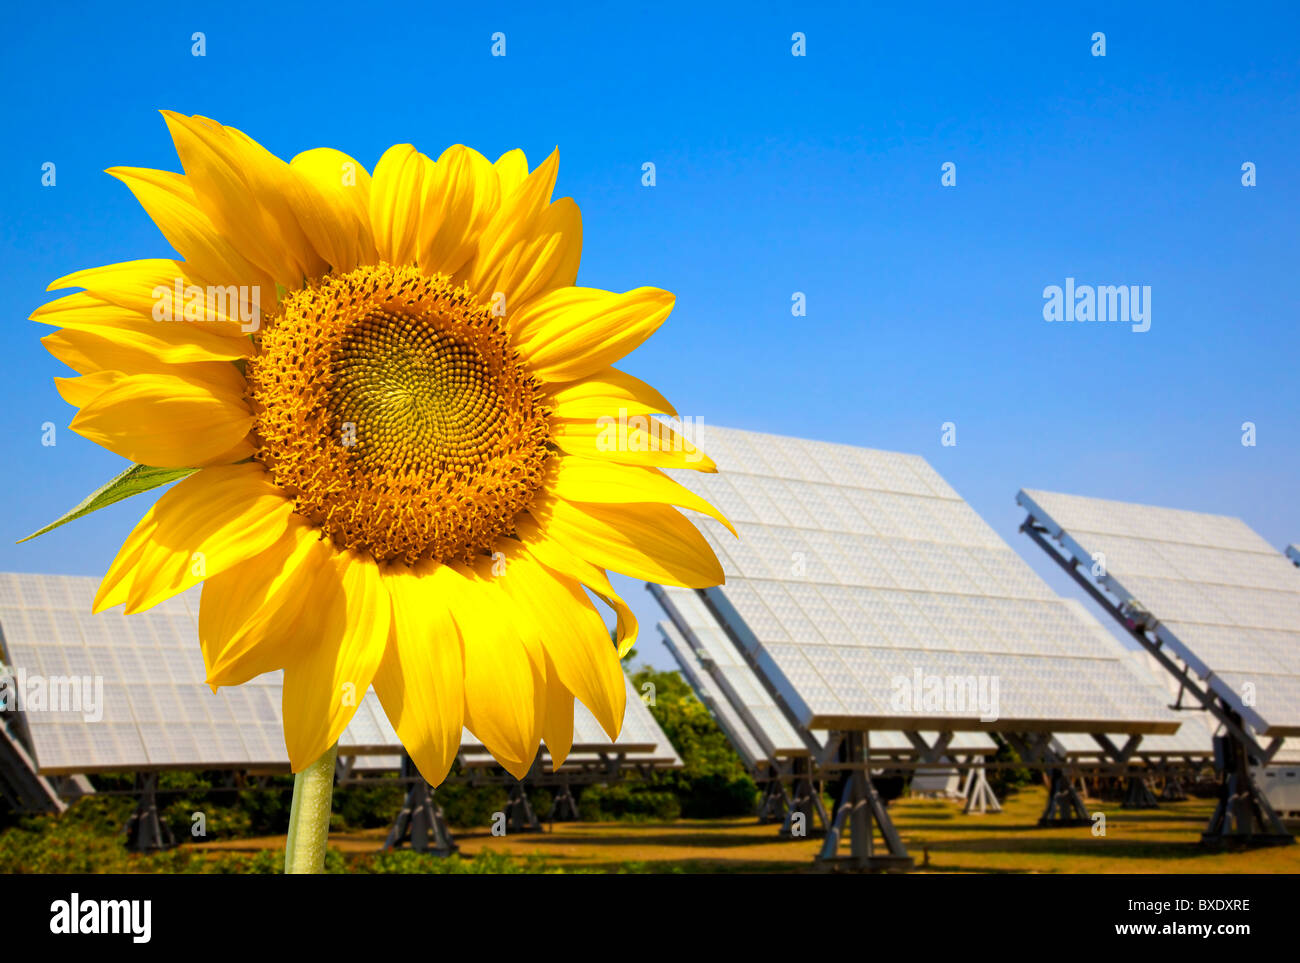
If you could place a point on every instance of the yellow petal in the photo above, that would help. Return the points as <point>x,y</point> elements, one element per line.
<point>542,256</point>
<point>421,678</point>
<point>557,729</point>
<point>607,392</point>
<point>166,421</point>
<point>461,194</point>
<point>141,352</point>
<point>79,392</point>
<point>247,612</point>
<point>573,332</point>
<point>170,202</point>
<point>651,542</point>
<point>631,440</point>
<point>244,190</point>
<point>575,637</point>
<point>512,170</point>
<point>349,617</point>
<point>202,526</point>
<point>512,229</point>
<point>218,323</point>
<point>579,479</point>
<point>556,557</point>
<point>332,203</point>
<point>396,194</point>
<point>505,685</point>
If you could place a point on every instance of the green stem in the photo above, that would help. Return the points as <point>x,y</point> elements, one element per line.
<point>309,818</point>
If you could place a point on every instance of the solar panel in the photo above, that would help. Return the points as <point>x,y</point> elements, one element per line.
<point>858,570</point>
<point>732,725</point>
<point>1293,553</point>
<point>145,672</point>
<point>685,604</point>
<point>741,688</point>
<point>1225,601</point>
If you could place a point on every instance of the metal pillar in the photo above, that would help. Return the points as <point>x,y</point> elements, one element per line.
<point>1173,790</point>
<point>564,807</point>
<point>1243,816</point>
<point>807,802</point>
<point>978,794</point>
<point>145,832</point>
<point>520,817</point>
<point>1138,794</point>
<point>775,801</point>
<point>860,811</point>
<point>420,822</point>
<point>1064,804</point>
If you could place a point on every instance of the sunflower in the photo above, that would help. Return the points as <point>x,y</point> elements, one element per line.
<point>397,408</point>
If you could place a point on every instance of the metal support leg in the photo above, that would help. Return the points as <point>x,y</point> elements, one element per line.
<point>1138,794</point>
<point>1064,804</point>
<point>564,808</point>
<point>807,802</point>
<point>979,795</point>
<point>1243,816</point>
<point>520,817</point>
<point>1173,790</point>
<point>145,832</point>
<point>860,811</point>
<point>775,801</point>
<point>420,822</point>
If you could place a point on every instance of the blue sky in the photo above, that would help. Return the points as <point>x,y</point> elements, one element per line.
<point>775,174</point>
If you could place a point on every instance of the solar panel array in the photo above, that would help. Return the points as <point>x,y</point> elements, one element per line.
<point>855,567</point>
<point>157,712</point>
<point>1227,603</point>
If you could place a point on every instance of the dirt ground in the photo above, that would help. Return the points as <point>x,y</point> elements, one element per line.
<point>940,838</point>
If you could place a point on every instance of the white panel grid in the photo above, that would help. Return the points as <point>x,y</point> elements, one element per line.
<point>890,560</point>
<point>1226,600</point>
<point>156,709</point>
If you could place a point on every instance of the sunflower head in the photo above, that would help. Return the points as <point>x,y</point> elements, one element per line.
<point>415,470</point>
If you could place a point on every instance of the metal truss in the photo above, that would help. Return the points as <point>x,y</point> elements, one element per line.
<point>1244,816</point>
<point>859,813</point>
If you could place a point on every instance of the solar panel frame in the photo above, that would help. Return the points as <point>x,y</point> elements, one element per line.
<point>1147,571</point>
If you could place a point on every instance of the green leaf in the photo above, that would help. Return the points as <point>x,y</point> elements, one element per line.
<point>133,481</point>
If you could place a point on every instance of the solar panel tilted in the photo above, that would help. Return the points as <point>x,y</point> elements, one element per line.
<point>862,586</point>
<point>1214,604</point>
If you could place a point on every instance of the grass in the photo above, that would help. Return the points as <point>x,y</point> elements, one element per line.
<point>938,835</point>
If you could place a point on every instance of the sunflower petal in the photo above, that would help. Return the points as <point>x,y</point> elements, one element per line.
<point>203,525</point>
<point>651,542</point>
<point>244,190</point>
<point>607,392</point>
<point>331,199</point>
<point>396,190</point>
<point>505,686</point>
<point>573,332</point>
<point>462,193</point>
<point>599,481</point>
<point>420,681</point>
<point>247,611</point>
<point>631,440</point>
<point>166,421</point>
<point>349,616</point>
